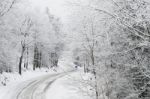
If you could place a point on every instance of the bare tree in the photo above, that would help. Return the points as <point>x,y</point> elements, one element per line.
<point>24,30</point>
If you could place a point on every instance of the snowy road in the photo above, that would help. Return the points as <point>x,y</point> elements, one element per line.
<point>37,88</point>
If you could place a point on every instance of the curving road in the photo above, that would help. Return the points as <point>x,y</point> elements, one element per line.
<point>37,88</point>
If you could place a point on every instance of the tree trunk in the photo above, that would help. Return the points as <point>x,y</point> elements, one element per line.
<point>40,59</point>
<point>96,86</point>
<point>20,62</point>
<point>35,61</point>
<point>21,58</point>
<point>84,68</point>
<point>95,74</point>
<point>27,61</point>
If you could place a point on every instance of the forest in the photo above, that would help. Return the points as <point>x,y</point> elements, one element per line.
<point>106,39</point>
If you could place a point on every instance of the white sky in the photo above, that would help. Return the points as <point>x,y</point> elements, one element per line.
<point>57,7</point>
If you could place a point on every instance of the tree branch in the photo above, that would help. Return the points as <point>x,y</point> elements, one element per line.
<point>11,5</point>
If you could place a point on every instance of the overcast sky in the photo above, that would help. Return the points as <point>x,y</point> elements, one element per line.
<point>57,7</point>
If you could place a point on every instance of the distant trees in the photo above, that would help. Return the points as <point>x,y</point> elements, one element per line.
<point>26,41</point>
<point>37,62</point>
<point>57,40</point>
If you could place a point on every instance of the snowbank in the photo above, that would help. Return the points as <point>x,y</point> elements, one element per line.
<point>9,78</point>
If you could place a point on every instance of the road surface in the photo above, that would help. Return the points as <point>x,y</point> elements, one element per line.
<point>37,88</point>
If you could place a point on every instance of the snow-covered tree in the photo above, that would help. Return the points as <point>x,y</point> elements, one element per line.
<point>120,50</point>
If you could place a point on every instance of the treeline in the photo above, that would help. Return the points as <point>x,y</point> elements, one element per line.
<point>28,41</point>
<point>114,47</point>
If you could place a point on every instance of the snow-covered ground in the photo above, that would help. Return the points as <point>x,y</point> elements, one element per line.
<point>72,86</point>
<point>13,79</point>
<point>67,85</point>
<point>10,78</point>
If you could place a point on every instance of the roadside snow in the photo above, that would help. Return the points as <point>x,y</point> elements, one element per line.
<point>14,79</point>
<point>75,85</point>
<point>71,86</point>
<point>9,78</point>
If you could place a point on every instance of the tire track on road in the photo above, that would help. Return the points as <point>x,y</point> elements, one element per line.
<point>25,88</point>
<point>35,89</point>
